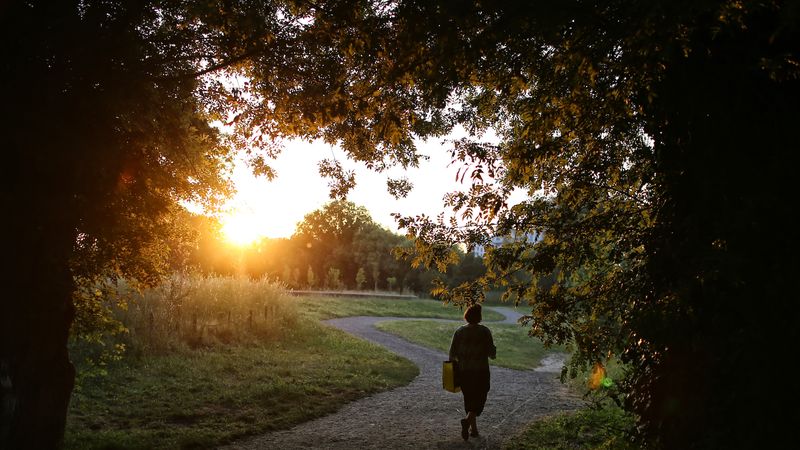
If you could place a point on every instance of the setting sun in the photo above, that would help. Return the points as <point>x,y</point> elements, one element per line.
<point>241,228</point>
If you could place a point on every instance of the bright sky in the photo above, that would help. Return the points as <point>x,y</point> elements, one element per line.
<point>272,209</point>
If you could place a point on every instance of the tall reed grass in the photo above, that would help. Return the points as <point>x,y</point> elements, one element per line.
<point>200,311</point>
<point>186,311</point>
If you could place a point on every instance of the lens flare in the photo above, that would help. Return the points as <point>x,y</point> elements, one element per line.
<point>598,377</point>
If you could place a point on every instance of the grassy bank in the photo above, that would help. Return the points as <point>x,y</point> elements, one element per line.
<point>587,429</point>
<point>515,349</point>
<point>210,360</point>
<point>204,397</point>
<point>330,307</point>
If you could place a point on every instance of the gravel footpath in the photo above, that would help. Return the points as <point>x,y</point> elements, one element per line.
<point>422,415</point>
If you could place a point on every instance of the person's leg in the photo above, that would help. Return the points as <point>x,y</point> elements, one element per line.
<point>476,409</point>
<point>467,392</point>
<point>478,399</point>
<point>472,419</point>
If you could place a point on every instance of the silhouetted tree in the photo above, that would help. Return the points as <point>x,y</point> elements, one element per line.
<point>327,237</point>
<point>105,130</point>
<point>653,139</point>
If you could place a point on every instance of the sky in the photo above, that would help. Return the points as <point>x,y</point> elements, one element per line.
<point>273,208</point>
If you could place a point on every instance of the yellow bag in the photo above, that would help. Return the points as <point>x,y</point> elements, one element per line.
<point>449,378</point>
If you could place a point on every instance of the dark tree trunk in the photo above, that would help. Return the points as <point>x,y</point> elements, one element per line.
<point>36,375</point>
<point>724,255</point>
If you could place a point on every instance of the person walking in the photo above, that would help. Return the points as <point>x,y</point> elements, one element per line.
<point>471,348</point>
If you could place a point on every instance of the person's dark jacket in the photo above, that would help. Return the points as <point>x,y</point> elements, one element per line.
<point>472,346</point>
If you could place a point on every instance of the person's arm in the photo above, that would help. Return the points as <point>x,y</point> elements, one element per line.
<point>492,349</point>
<point>452,354</point>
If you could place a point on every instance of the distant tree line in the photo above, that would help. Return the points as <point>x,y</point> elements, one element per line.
<point>338,246</point>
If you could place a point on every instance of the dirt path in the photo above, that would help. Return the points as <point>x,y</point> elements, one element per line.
<point>422,415</point>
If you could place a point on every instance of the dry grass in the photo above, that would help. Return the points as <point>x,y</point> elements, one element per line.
<point>194,311</point>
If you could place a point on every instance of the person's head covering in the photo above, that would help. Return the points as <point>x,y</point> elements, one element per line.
<point>473,314</point>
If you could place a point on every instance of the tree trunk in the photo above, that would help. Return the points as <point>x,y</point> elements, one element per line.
<point>36,375</point>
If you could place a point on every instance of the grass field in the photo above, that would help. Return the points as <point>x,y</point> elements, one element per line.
<point>200,398</point>
<point>201,369</point>
<point>330,307</point>
<point>515,349</point>
<point>586,429</point>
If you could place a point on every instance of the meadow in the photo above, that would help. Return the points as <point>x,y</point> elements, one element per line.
<point>330,307</point>
<point>516,350</point>
<point>210,360</point>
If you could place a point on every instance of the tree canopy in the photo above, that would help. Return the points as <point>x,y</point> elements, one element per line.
<point>652,140</point>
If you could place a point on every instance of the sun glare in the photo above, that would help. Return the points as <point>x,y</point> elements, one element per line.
<point>241,229</point>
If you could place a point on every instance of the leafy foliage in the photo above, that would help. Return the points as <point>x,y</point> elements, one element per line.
<point>632,127</point>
